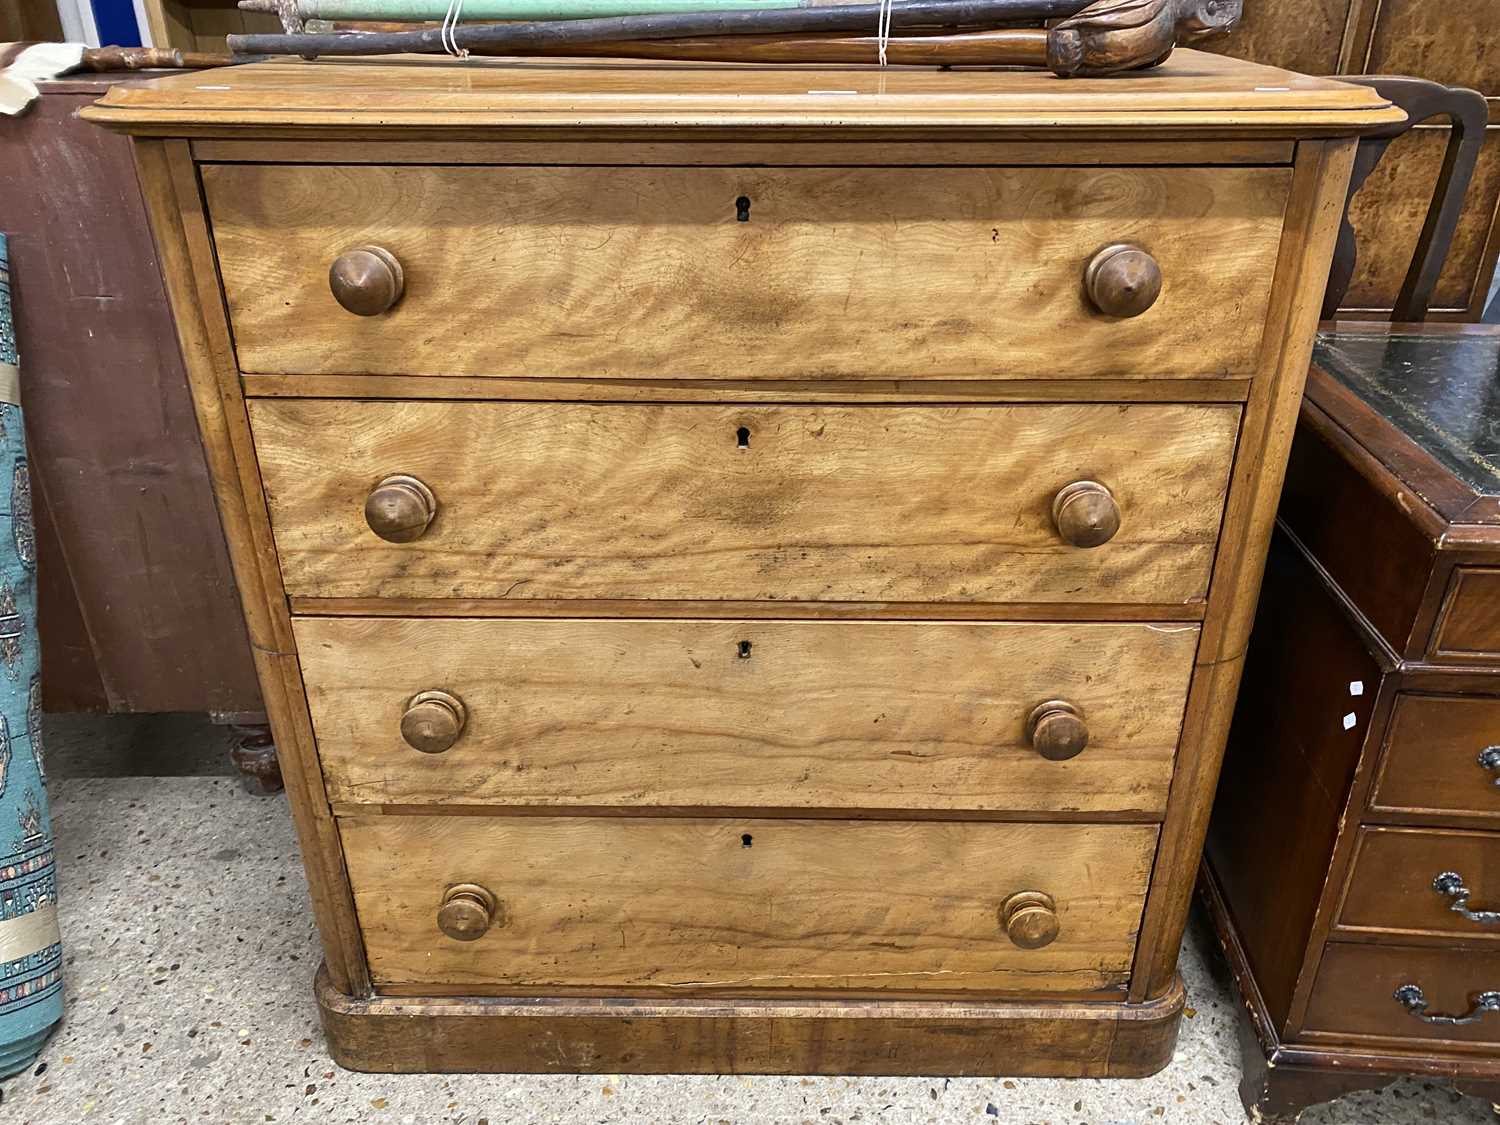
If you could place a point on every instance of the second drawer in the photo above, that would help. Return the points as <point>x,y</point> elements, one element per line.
<point>748,714</point>
<point>1077,503</point>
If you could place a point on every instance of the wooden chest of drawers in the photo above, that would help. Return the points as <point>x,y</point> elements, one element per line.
<point>749,566</point>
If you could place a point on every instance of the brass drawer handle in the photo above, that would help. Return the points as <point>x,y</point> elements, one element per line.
<point>1056,730</point>
<point>367,280</point>
<point>1085,513</point>
<point>1029,919</point>
<point>1450,884</point>
<point>468,911</point>
<point>1122,280</point>
<point>1410,997</point>
<point>432,721</point>
<point>400,508</point>
<point>1489,759</point>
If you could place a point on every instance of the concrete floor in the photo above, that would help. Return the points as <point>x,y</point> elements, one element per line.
<point>190,954</point>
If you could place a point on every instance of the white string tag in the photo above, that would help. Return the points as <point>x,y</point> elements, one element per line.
<point>448,35</point>
<point>883,30</point>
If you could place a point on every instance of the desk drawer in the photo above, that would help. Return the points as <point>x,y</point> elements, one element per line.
<point>1355,994</point>
<point>1392,889</point>
<point>905,273</point>
<point>1441,757</point>
<point>744,905</point>
<point>745,714</point>
<point>724,502</point>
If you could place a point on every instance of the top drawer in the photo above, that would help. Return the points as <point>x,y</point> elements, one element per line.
<point>745,273</point>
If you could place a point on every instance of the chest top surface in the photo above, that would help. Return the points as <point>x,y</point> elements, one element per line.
<point>1193,94</point>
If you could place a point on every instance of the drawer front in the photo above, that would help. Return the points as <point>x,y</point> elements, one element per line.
<point>1442,756</point>
<point>1355,993</point>
<point>723,502</point>
<point>1468,627</point>
<point>1396,885</point>
<point>747,714</point>
<point>698,906</point>
<point>649,272</point>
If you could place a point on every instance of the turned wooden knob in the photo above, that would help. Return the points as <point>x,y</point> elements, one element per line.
<point>1086,514</point>
<point>1122,280</point>
<point>468,910</point>
<point>1029,919</point>
<point>432,721</point>
<point>399,508</point>
<point>1056,730</point>
<point>367,280</point>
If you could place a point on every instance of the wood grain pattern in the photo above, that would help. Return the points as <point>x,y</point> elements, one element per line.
<point>719,906</point>
<point>838,273</point>
<point>1304,36</point>
<point>763,1036</point>
<point>1468,627</point>
<point>1390,897</point>
<point>1452,44</point>
<point>825,503</point>
<point>1430,765</point>
<point>815,714</point>
<point>1353,997</point>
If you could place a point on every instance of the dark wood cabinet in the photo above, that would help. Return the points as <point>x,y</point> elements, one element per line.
<point>1353,859</point>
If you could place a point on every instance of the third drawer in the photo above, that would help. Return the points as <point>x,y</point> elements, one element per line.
<point>748,714</point>
<point>1424,882</point>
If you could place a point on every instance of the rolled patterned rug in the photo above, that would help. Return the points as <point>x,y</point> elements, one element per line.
<point>31,991</point>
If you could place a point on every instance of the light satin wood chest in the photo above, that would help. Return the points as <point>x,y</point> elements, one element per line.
<point>749,567</point>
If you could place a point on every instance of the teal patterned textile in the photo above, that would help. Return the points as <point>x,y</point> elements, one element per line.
<point>31,991</point>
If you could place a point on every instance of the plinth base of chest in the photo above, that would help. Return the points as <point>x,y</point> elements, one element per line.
<point>1091,1039</point>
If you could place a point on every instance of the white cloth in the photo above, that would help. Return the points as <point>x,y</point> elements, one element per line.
<point>35,63</point>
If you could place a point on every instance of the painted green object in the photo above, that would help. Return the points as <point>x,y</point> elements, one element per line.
<point>416,11</point>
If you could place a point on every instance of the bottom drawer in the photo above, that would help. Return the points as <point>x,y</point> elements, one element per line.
<point>1356,993</point>
<point>704,906</point>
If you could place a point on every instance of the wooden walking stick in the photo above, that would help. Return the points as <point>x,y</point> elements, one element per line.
<point>148,58</point>
<point>1106,37</point>
<point>741,21</point>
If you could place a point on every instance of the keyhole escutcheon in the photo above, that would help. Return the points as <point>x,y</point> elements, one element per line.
<point>742,209</point>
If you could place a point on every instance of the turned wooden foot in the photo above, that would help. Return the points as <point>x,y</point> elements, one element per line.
<point>254,754</point>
